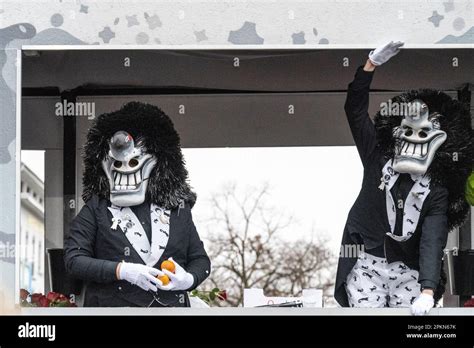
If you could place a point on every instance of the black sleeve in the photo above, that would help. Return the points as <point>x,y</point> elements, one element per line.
<point>79,250</point>
<point>198,263</point>
<point>357,112</point>
<point>434,235</point>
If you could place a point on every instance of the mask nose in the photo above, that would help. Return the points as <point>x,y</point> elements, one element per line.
<point>121,145</point>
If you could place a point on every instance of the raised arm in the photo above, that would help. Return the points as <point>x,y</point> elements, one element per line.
<point>356,108</point>
<point>357,101</point>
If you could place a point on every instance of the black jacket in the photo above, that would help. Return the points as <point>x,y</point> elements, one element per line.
<point>93,250</point>
<point>367,222</point>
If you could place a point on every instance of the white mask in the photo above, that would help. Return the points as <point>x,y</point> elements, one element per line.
<point>417,139</point>
<point>128,167</point>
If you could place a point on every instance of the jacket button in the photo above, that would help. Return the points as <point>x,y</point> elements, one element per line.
<point>120,288</point>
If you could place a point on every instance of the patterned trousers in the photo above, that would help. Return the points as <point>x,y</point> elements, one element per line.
<point>374,283</point>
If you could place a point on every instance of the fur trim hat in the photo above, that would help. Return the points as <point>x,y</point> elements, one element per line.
<point>150,126</point>
<point>454,160</point>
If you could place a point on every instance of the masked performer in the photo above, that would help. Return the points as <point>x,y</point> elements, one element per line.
<point>417,156</point>
<point>137,213</point>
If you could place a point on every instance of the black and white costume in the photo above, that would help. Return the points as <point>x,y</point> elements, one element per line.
<point>400,221</point>
<point>373,282</point>
<point>137,213</point>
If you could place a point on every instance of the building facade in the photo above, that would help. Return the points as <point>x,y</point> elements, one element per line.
<point>32,255</point>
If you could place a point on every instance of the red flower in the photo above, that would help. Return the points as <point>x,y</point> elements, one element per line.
<point>43,302</point>
<point>24,294</point>
<point>222,295</point>
<point>469,303</point>
<point>53,296</point>
<point>36,297</point>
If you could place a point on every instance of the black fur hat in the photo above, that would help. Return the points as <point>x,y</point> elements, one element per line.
<point>149,125</point>
<point>456,122</point>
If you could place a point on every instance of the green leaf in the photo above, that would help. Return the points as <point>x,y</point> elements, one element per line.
<point>215,290</point>
<point>212,296</point>
<point>61,304</point>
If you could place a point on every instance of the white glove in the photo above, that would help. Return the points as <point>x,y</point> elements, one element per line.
<point>422,304</point>
<point>179,280</point>
<point>383,53</point>
<point>140,275</point>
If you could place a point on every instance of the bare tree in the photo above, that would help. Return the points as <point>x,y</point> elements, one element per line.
<point>247,250</point>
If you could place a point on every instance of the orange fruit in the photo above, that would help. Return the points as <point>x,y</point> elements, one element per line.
<point>168,265</point>
<point>164,279</point>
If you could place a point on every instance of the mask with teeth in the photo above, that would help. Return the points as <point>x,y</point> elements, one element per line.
<point>133,155</point>
<point>127,167</point>
<point>417,139</point>
<point>446,153</point>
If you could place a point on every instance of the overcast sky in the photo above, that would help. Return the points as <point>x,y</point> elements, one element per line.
<point>315,185</point>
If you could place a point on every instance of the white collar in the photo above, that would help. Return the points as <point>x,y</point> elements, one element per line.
<point>131,226</point>
<point>412,205</point>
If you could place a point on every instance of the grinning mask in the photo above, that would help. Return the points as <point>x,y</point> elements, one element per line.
<point>417,139</point>
<point>127,167</point>
<point>134,155</point>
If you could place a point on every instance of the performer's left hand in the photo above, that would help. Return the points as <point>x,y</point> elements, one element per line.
<point>382,54</point>
<point>423,304</point>
<point>179,280</point>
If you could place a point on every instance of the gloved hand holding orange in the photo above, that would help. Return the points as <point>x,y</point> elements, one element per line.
<point>175,277</point>
<point>169,266</point>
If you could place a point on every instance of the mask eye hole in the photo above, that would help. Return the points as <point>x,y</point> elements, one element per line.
<point>422,134</point>
<point>133,162</point>
<point>117,164</point>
